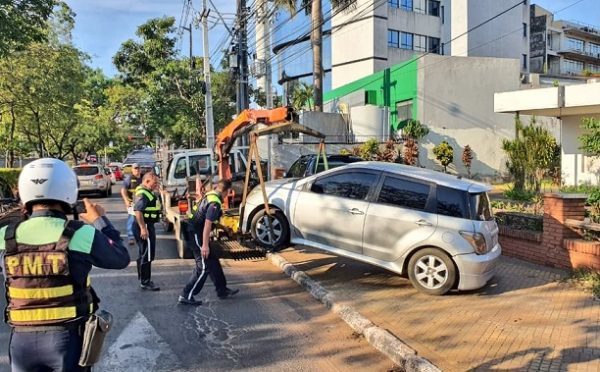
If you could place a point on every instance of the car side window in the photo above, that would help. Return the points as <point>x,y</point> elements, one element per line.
<point>199,164</point>
<point>353,185</point>
<point>404,193</point>
<point>451,202</point>
<point>297,169</point>
<point>180,168</point>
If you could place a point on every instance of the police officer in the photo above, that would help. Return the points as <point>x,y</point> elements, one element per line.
<point>147,209</point>
<point>130,183</point>
<point>204,215</point>
<point>46,263</point>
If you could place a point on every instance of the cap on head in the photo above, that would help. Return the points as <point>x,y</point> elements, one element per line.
<point>135,165</point>
<point>48,180</point>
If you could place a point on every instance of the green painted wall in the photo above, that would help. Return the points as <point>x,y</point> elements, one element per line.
<point>390,86</point>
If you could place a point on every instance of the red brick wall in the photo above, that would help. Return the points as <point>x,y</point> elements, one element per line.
<point>558,245</point>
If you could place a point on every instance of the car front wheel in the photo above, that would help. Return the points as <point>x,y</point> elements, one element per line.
<point>274,239</point>
<point>432,271</point>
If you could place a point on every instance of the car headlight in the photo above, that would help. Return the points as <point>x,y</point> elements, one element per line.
<point>477,241</point>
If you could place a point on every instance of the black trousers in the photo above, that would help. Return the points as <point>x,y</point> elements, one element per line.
<point>50,351</point>
<point>210,266</point>
<point>146,251</point>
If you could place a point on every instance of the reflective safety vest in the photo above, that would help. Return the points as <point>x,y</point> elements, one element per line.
<point>135,183</point>
<point>152,212</point>
<point>39,288</point>
<point>209,197</point>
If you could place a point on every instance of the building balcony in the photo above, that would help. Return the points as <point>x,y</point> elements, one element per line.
<point>580,55</point>
<point>581,30</point>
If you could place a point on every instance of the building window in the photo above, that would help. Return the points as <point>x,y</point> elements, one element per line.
<point>404,110</point>
<point>593,49</point>
<point>524,29</point>
<point>406,5</point>
<point>442,14</point>
<point>593,68</point>
<point>406,40</point>
<point>575,44</point>
<point>524,61</point>
<point>419,6</point>
<point>434,8</point>
<point>394,3</point>
<point>420,43</point>
<point>393,39</point>
<point>434,45</point>
<point>572,67</point>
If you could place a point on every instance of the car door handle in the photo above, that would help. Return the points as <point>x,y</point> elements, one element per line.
<point>423,223</point>
<point>355,211</point>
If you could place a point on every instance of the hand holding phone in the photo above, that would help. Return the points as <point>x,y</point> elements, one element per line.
<point>92,212</point>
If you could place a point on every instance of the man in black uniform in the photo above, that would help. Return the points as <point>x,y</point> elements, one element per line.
<point>46,261</point>
<point>147,210</point>
<point>204,215</point>
<point>131,183</point>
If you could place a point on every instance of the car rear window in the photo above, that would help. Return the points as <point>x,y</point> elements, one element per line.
<point>404,193</point>
<point>479,205</point>
<point>86,171</point>
<point>452,202</point>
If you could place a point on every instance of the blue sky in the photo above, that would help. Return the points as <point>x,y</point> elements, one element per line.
<point>102,25</point>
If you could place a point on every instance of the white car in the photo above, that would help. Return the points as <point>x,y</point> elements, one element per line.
<point>94,178</point>
<point>435,227</point>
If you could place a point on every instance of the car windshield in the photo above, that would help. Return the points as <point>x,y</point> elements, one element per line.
<point>480,207</point>
<point>86,171</point>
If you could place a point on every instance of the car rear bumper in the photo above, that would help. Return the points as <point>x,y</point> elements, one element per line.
<point>99,186</point>
<point>476,270</point>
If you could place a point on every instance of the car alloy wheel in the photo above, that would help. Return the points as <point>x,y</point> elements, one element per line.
<point>263,234</point>
<point>431,272</point>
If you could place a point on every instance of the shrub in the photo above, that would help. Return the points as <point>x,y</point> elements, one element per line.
<point>9,178</point>
<point>411,152</point>
<point>444,153</point>
<point>467,159</point>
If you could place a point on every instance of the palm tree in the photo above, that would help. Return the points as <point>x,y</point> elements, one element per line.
<point>301,96</point>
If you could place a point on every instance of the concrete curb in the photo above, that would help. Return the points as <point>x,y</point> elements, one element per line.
<point>382,340</point>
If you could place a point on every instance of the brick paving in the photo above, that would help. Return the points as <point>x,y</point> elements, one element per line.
<point>525,319</point>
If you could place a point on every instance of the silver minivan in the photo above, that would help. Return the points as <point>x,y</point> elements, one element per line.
<point>436,228</point>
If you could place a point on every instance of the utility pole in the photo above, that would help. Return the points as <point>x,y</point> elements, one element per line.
<point>208,108</point>
<point>316,38</point>
<point>243,100</point>
<point>263,50</point>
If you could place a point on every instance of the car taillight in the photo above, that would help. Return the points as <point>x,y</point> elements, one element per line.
<point>98,177</point>
<point>477,241</point>
<point>183,206</point>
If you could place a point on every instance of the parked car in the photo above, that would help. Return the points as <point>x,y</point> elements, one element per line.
<point>111,174</point>
<point>437,228</point>
<point>306,165</point>
<point>93,178</point>
<point>116,170</point>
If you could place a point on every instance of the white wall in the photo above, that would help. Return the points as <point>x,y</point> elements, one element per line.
<point>456,102</point>
<point>577,168</point>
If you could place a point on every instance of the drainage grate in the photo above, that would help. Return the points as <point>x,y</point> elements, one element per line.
<point>239,251</point>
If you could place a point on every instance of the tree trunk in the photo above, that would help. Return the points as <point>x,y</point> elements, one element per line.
<point>11,136</point>
<point>317,41</point>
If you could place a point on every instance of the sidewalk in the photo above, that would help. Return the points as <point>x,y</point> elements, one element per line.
<point>523,320</point>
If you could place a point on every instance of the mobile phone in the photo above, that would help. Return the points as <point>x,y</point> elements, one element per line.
<point>80,207</point>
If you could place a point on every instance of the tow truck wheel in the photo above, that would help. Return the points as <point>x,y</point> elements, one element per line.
<point>260,230</point>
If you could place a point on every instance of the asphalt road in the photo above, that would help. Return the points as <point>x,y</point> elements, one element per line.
<point>271,325</point>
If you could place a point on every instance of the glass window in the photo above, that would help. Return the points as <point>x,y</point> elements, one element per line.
<point>593,49</point>
<point>353,185</point>
<point>524,29</point>
<point>524,57</point>
<point>406,5</point>
<point>86,171</point>
<point>419,6</point>
<point>393,39</point>
<point>420,43</point>
<point>574,44</point>
<point>452,202</point>
<point>434,45</point>
<point>593,68</point>
<point>394,3</point>
<point>200,164</point>
<point>406,39</point>
<point>572,67</point>
<point>442,14</point>
<point>433,8</point>
<point>298,169</point>
<point>480,207</point>
<point>403,193</point>
<point>404,110</point>
<point>181,168</point>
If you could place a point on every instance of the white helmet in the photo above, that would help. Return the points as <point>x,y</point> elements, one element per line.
<point>48,179</point>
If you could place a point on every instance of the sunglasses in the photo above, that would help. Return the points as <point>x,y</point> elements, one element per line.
<point>136,167</point>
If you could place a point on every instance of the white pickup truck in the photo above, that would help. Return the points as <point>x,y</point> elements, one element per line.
<point>178,179</point>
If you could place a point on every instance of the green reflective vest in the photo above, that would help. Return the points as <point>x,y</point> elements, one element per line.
<point>209,197</point>
<point>152,212</point>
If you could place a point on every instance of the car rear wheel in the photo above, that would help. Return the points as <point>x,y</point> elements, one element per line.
<point>106,192</point>
<point>280,229</point>
<point>432,271</point>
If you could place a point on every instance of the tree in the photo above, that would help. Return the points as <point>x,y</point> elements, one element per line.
<point>302,96</point>
<point>590,139</point>
<point>412,133</point>
<point>467,159</point>
<point>23,23</point>
<point>444,153</point>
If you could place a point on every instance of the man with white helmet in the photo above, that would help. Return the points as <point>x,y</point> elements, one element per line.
<point>46,262</point>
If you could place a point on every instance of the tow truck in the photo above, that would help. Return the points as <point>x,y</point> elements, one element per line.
<point>248,122</point>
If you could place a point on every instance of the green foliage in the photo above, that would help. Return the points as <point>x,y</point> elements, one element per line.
<point>590,140</point>
<point>580,189</point>
<point>302,96</point>
<point>593,201</point>
<point>522,195</point>
<point>23,23</point>
<point>369,149</point>
<point>415,130</point>
<point>530,156</point>
<point>444,153</point>
<point>9,177</point>
<point>590,278</point>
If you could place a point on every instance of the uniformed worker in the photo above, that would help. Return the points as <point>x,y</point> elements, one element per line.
<point>147,208</point>
<point>205,214</point>
<point>46,264</point>
<point>130,183</point>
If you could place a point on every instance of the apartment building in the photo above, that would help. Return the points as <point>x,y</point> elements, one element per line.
<point>561,47</point>
<point>375,35</point>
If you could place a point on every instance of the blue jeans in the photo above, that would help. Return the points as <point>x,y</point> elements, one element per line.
<point>45,351</point>
<point>130,222</point>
